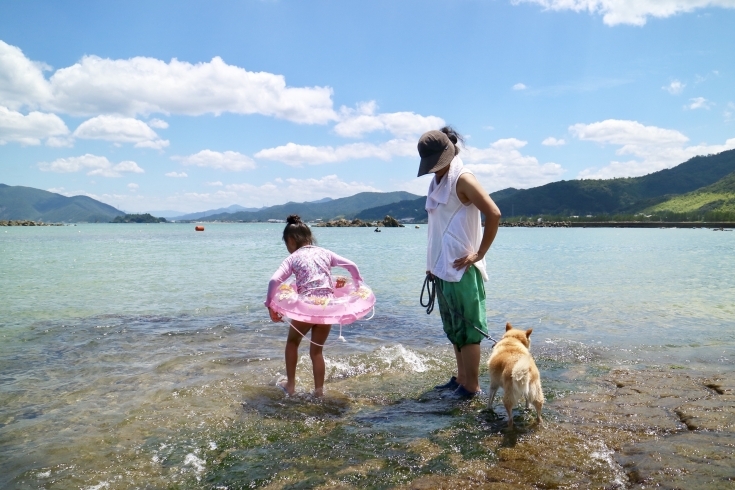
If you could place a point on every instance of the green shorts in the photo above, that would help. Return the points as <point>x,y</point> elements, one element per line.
<point>465,298</point>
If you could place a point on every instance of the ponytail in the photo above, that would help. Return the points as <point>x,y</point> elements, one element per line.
<point>454,137</point>
<point>298,230</point>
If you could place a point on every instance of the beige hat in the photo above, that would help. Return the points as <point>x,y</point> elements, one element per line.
<point>436,151</point>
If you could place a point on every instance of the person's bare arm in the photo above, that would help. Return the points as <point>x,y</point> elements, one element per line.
<point>469,190</point>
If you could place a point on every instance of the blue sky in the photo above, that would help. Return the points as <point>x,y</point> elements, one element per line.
<point>187,106</point>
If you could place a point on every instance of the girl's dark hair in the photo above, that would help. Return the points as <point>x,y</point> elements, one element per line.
<point>454,137</point>
<point>297,229</point>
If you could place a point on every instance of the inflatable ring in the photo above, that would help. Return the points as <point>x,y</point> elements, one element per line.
<point>348,304</point>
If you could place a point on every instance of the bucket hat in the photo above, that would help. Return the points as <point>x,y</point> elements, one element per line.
<point>436,151</point>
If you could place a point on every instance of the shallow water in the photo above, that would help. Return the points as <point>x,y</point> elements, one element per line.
<point>140,356</point>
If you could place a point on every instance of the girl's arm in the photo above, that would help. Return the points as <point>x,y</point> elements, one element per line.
<point>281,274</point>
<point>339,261</point>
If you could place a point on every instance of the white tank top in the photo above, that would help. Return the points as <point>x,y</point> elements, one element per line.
<point>455,229</point>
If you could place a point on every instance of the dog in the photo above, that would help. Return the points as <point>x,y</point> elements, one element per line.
<point>512,367</point>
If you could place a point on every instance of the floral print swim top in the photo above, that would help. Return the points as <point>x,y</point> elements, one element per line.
<point>312,267</point>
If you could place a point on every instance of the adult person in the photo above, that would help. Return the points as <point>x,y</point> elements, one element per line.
<point>456,251</point>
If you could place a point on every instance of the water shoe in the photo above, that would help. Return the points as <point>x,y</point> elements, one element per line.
<point>462,393</point>
<point>450,385</point>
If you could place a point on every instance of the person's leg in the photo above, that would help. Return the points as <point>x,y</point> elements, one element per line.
<point>460,365</point>
<point>292,353</point>
<point>471,355</point>
<point>319,335</point>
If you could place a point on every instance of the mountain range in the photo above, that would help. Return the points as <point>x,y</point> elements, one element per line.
<point>27,203</point>
<point>701,185</point>
<point>345,207</point>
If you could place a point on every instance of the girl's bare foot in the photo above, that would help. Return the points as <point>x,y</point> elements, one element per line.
<point>287,388</point>
<point>318,393</point>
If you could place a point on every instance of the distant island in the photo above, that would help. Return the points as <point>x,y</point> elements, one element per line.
<point>138,218</point>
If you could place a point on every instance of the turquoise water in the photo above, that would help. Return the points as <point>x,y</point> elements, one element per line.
<point>140,356</point>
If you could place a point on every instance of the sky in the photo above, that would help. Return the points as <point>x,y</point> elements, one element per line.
<point>188,105</point>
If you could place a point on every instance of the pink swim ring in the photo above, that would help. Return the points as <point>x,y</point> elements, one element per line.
<point>348,304</point>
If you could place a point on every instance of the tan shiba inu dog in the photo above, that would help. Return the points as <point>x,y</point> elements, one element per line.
<point>512,367</point>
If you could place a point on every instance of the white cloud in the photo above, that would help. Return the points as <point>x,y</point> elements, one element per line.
<point>176,175</point>
<point>728,112</point>
<point>120,130</point>
<point>698,103</point>
<point>519,86</point>
<point>634,12</point>
<point>143,86</point>
<point>298,190</point>
<point>32,128</point>
<point>675,87</point>
<point>551,141</point>
<point>296,155</point>
<point>503,165</point>
<point>21,80</point>
<point>355,123</point>
<point>95,164</point>
<point>158,123</point>
<point>147,85</point>
<point>652,148</point>
<point>133,187</point>
<point>215,184</point>
<point>231,161</point>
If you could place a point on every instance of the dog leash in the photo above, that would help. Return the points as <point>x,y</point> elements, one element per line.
<point>431,286</point>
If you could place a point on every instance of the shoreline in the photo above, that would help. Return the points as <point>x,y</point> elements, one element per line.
<point>717,225</point>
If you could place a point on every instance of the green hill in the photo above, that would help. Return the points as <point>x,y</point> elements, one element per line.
<point>611,196</point>
<point>648,193</point>
<point>346,207</point>
<point>415,208</point>
<point>716,198</point>
<point>27,203</point>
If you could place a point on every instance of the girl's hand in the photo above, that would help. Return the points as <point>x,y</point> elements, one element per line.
<point>275,317</point>
<point>340,282</point>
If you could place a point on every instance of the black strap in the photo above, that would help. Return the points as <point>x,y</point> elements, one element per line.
<point>431,286</point>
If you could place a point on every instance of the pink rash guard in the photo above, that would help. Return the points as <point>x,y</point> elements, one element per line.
<point>312,266</point>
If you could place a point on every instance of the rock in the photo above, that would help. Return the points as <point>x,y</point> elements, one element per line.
<point>390,222</point>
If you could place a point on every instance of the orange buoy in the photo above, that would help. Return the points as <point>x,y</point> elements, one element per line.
<point>199,228</point>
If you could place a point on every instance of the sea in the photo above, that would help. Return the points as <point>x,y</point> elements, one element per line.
<point>141,356</point>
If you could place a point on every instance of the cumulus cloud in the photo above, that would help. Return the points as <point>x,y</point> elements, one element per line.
<point>519,86</point>
<point>95,164</point>
<point>178,175</point>
<point>22,82</point>
<point>502,165</point>
<point>215,184</point>
<point>30,129</point>
<point>230,161</point>
<point>636,12</point>
<point>551,141</point>
<point>651,148</point>
<point>299,190</point>
<point>143,86</point>
<point>133,187</point>
<point>698,103</point>
<point>120,130</point>
<point>297,155</point>
<point>355,123</point>
<point>158,123</point>
<point>728,112</point>
<point>675,87</point>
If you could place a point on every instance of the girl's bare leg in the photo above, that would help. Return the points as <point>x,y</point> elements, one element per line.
<point>292,354</point>
<point>319,335</point>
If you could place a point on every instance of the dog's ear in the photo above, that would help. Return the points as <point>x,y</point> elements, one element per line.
<point>508,326</point>
<point>528,333</point>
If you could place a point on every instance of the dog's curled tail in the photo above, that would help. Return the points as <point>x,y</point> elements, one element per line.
<point>526,380</point>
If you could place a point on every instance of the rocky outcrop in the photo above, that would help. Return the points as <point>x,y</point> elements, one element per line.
<point>24,222</point>
<point>388,222</point>
<point>536,224</point>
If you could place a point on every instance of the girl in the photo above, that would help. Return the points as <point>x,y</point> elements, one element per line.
<point>312,267</point>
